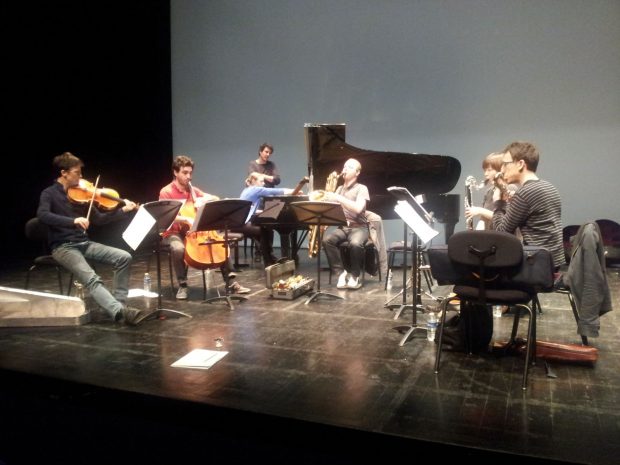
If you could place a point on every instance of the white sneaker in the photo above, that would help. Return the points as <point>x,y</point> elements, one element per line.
<point>354,283</point>
<point>182,293</point>
<point>342,280</point>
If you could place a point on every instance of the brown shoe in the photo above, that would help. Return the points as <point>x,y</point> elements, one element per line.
<point>236,288</point>
<point>132,315</point>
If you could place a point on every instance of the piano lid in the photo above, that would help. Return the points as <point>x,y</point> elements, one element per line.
<point>420,173</point>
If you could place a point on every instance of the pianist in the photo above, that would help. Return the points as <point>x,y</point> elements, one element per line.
<point>254,190</point>
<point>353,197</point>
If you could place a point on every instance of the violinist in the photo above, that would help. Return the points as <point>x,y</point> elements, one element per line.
<point>181,189</point>
<point>68,224</point>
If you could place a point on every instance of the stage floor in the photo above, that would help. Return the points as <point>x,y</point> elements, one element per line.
<point>297,380</point>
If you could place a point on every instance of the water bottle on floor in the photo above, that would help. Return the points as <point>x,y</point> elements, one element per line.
<point>147,282</point>
<point>497,311</point>
<point>431,326</point>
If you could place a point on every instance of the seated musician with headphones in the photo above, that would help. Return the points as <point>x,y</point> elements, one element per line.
<point>181,189</point>
<point>353,196</point>
<point>68,223</point>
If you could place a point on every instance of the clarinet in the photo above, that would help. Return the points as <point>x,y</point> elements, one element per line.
<point>470,183</point>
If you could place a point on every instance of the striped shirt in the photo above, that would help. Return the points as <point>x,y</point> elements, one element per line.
<point>536,209</point>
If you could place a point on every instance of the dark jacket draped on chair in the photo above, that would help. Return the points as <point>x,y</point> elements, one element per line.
<point>587,279</point>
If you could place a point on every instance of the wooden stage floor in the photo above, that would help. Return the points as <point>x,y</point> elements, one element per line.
<point>326,382</point>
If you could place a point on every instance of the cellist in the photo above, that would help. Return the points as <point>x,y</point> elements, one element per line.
<point>68,224</point>
<point>181,189</point>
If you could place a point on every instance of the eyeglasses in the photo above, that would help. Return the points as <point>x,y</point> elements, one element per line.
<point>505,163</point>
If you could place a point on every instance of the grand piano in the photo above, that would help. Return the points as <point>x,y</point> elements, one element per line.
<point>430,175</point>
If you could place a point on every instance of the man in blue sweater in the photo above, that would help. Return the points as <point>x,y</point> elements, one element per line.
<point>68,223</point>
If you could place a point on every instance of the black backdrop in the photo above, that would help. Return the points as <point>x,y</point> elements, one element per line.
<point>92,78</point>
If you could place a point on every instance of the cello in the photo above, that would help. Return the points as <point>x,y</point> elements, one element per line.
<point>203,249</point>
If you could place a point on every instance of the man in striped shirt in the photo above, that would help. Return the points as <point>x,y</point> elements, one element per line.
<point>536,207</point>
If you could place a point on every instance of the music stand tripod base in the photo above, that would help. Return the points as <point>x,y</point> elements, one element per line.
<point>162,313</point>
<point>227,298</point>
<point>315,295</point>
<point>409,333</point>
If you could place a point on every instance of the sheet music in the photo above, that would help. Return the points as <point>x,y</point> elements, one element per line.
<point>201,359</point>
<point>139,227</point>
<point>424,232</point>
<point>272,209</point>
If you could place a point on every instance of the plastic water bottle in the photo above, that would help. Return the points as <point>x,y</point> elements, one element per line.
<point>497,311</point>
<point>79,290</point>
<point>147,282</point>
<point>431,326</point>
<point>389,280</point>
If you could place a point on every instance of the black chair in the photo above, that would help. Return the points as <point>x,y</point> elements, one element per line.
<point>370,262</point>
<point>487,268</point>
<point>585,280</point>
<point>37,232</point>
<point>398,248</point>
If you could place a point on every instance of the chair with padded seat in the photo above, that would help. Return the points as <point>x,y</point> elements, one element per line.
<point>488,268</point>
<point>36,232</point>
<point>370,262</point>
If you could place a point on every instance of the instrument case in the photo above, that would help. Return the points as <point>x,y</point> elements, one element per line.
<point>285,270</point>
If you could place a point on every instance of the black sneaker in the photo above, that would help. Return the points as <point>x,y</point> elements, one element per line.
<point>132,315</point>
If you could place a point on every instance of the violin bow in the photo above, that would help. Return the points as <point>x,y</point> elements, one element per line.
<point>92,199</point>
<point>191,193</point>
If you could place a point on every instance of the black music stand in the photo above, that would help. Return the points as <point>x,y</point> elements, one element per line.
<point>164,212</point>
<point>319,214</point>
<point>403,194</point>
<point>223,215</point>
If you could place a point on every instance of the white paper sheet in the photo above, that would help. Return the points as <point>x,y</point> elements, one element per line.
<point>201,359</point>
<point>139,227</point>
<point>419,226</point>
<point>141,293</point>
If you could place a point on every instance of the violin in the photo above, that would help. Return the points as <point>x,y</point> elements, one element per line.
<point>85,191</point>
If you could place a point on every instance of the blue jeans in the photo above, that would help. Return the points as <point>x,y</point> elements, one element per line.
<point>74,255</point>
